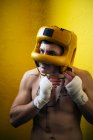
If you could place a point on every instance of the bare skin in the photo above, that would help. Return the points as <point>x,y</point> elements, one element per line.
<point>58,119</point>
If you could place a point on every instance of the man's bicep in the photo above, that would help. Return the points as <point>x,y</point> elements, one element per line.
<point>89,86</point>
<point>22,98</point>
<point>24,94</point>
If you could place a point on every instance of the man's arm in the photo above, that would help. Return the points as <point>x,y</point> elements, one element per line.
<point>81,91</point>
<point>22,109</point>
<point>87,108</point>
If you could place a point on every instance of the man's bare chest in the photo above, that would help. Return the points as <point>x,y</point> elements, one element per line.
<point>61,114</point>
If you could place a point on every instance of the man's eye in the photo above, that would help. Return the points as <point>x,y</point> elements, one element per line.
<point>52,53</point>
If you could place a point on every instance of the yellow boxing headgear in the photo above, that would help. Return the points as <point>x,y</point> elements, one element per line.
<point>60,36</point>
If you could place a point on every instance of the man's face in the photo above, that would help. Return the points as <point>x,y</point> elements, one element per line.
<point>49,49</point>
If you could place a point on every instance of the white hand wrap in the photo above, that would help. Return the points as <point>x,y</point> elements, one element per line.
<point>45,93</point>
<point>74,89</point>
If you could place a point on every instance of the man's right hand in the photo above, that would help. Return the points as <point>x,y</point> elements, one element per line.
<point>45,93</point>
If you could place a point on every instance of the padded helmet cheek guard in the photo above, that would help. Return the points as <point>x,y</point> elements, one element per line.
<point>59,36</point>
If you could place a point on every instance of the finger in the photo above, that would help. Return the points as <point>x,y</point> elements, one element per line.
<point>55,80</point>
<point>58,76</point>
<point>68,76</point>
<point>71,73</point>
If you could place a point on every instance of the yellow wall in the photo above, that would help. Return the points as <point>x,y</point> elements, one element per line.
<point>19,22</point>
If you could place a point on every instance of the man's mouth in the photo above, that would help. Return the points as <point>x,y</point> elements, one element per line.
<point>44,65</point>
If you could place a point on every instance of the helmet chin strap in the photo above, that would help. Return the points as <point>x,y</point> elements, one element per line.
<point>60,75</point>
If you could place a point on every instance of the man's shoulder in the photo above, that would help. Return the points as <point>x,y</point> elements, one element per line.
<point>33,73</point>
<point>81,72</point>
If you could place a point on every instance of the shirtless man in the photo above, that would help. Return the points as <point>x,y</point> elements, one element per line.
<point>55,94</point>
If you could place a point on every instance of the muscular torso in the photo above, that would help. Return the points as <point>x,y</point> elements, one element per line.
<point>58,120</point>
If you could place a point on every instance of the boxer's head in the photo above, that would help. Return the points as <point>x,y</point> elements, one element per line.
<point>62,37</point>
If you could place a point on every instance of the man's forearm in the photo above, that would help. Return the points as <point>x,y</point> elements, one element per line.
<point>87,111</point>
<point>22,113</point>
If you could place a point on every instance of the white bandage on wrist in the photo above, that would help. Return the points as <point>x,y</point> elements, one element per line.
<point>74,89</point>
<point>45,93</point>
<point>39,102</point>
